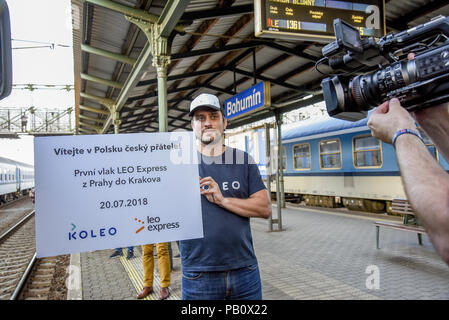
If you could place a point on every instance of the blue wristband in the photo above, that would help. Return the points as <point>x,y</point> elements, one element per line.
<point>402,131</point>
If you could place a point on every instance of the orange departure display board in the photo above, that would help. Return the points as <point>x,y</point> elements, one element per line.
<point>313,19</point>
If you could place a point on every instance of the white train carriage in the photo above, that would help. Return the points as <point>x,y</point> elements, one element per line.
<point>15,178</point>
<point>26,177</point>
<point>9,184</point>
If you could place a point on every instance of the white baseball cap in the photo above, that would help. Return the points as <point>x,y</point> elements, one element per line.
<point>205,100</point>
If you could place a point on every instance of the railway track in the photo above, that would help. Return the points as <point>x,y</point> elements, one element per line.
<point>10,202</point>
<point>17,248</point>
<point>12,212</point>
<point>22,276</point>
<point>39,282</point>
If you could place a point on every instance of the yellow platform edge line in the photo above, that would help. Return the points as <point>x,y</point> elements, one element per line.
<point>137,281</point>
<point>134,276</point>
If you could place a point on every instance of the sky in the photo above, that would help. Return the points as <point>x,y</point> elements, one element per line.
<point>48,21</point>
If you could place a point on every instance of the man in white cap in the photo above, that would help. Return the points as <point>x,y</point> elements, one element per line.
<point>223,265</point>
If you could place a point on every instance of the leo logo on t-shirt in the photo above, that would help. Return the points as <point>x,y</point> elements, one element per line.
<point>235,185</point>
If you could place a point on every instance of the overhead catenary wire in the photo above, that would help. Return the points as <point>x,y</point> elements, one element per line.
<point>50,45</point>
<point>32,87</point>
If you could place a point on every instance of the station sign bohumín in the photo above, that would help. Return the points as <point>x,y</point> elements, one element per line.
<point>246,102</point>
<point>99,192</point>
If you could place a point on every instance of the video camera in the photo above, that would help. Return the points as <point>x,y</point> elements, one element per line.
<point>381,71</point>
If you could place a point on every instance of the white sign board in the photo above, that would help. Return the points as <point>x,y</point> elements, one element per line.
<point>108,191</point>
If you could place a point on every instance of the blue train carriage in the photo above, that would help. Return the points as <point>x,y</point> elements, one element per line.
<point>15,178</point>
<point>333,163</point>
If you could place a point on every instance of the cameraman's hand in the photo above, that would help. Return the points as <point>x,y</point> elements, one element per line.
<point>388,118</point>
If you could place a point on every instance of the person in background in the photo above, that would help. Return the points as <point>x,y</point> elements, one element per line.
<point>163,259</point>
<point>118,253</point>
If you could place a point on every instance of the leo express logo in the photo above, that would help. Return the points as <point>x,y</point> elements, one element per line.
<point>92,233</point>
<point>155,225</point>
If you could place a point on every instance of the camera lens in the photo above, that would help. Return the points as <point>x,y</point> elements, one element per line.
<point>346,97</point>
<point>356,90</point>
<point>371,90</point>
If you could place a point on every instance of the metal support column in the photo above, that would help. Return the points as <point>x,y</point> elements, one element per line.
<point>268,169</point>
<point>280,159</point>
<point>254,67</point>
<point>117,122</point>
<point>278,166</point>
<point>162,94</point>
<point>161,60</point>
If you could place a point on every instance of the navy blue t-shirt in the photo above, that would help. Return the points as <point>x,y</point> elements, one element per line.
<point>227,242</point>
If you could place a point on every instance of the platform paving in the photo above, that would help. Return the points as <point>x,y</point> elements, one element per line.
<point>319,256</point>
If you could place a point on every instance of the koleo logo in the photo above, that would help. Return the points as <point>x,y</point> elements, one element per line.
<point>92,233</point>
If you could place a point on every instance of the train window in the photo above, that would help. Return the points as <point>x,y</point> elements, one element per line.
<point>429,144</point>
<point>367,152</point>
<point>330,154</point>
<point>301,154</point>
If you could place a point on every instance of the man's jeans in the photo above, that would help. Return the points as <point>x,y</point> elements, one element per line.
<point>239,284</point>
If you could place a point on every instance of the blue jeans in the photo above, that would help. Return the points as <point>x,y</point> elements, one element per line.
<point>239,284</point>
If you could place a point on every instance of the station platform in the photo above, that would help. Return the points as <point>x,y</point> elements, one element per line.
<point>320,255</point>
<point>118,278</point>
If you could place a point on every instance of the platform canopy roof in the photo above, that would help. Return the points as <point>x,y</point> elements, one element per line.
<point>213,50</point>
